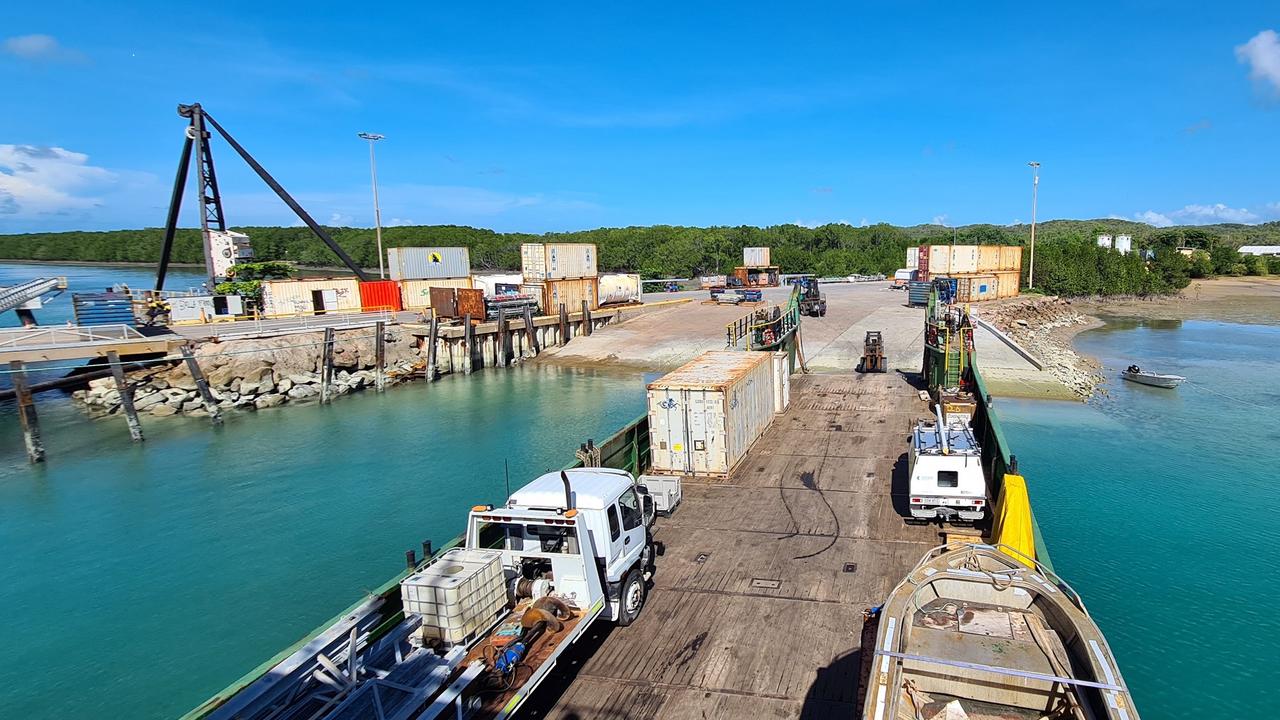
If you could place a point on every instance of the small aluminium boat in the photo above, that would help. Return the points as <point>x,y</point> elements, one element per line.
<point>980,632</point>
<point>1136,374</point>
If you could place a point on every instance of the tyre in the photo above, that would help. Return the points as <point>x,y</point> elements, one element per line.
<point>631,598</point>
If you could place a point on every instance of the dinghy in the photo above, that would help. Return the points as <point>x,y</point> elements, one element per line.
<point>982,632</point>
<point>1136,374</point>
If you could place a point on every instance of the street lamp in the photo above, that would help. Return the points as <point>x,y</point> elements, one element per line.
<point>377,211</point>
<point>1035,188</point>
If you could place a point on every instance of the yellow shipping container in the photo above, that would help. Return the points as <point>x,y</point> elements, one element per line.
<point>1011,258</point>
<point>416,294</point>
<point>1007,283</point>
<point>557,261</point>
<point>310,296</point>
<point>570,293</point>
<point>989,258</point>
<point>939,259</point>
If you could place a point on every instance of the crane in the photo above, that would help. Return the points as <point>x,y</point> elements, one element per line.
<point>213,225</point>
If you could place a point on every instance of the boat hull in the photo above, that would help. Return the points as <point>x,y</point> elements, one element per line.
<point>1167,382</point>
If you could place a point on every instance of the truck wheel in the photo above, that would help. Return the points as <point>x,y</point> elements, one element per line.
<point>631,599</point>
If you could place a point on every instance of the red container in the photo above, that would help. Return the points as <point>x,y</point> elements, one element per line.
<point>380,295</point>
<point>922,264</point>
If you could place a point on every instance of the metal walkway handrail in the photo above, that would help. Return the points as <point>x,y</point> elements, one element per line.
<point>17,295</point>
<point>71,334</point>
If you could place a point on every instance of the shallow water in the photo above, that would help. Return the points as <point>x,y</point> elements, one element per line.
<point>1162,509</point>
<point>139,580</point>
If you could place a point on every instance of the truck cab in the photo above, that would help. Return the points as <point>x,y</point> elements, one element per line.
<point>947,480</point>
<point>607,506</point>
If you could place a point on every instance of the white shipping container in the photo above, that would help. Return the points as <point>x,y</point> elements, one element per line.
<point>489,283</point>
<point>964,259</point>
<point>204,308</point>
<point>781,383</point>
<point>939,259</point>
<point>458,594</point>
<point>618,289</point>
<point>1104,241</point>
<point>423,263</point>
<point>311,296</point>
<point>913,257</point>
<point>557,261</point>
<point>416,294</point>
<point>704,416</point>
<point>1124,244</point>
<point>755,257</point>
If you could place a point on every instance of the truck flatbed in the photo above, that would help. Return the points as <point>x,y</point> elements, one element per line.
<point>758,609</point>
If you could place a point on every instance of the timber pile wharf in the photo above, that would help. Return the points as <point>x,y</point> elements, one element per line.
<point>757,607</point>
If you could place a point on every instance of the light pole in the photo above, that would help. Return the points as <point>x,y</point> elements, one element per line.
<point>377,211</point>
<point>1035,189</point>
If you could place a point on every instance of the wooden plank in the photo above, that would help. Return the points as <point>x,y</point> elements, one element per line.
<point>26,412</point>
<point>126,397</point>
<point>326,367</point>
<point>380,354</point>
<point>564,325</point>
<point>433,338</point>
<point>202,386</point>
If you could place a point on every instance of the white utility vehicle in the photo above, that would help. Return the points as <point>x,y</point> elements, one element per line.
<point>475,629</point>
<point>947,481</point>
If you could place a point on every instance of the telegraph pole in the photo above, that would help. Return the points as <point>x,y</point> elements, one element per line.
<point>1035,188</point>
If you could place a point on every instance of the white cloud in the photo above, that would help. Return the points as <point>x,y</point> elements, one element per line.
<point>340,220</point>
<point>38,181</point>
<point>939,219</point>
<point>39,48</point>
<point>1151,217</point>
<point>1262,55</point>
<point>395,221</point>
<point>863,223</point>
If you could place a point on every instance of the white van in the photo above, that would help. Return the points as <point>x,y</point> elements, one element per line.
<point>947,481</point>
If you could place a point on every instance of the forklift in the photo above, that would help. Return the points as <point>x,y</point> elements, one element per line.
<point>872,354</point>
<point>811,300</point>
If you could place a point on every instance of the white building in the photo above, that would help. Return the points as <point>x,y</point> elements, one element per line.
<point>1269,250</point>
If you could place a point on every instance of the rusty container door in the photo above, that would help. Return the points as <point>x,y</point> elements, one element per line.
<point>444,302</point>
<point>470,302</point>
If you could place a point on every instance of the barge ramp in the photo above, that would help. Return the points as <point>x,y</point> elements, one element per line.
<point>757,605</point>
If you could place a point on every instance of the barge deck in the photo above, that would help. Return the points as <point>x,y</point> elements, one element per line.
<point>758,600</point>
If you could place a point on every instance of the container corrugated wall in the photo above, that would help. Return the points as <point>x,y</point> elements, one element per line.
<point>618,288</point>
<point>1011,258</point>
<point>1007,283</point>
<point>939,259</point>
<point>913,258</point>
<point>704,416</point>
<point>293,297</point>
<point>964,259</point>
<point>416,294</point>
<point>557,261</point>
<point>755,257</point>
<point>924,266</point>
<point>570,293</point>
<point>988,258</point>
<point>102,309</point>
<point>489,283</point>
<point>422,263</point>
<point>976,288</point>
<point>380,295</point>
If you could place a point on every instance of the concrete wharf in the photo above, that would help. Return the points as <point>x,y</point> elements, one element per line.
<point>757,605</point>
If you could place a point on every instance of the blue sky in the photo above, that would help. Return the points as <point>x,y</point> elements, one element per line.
<point>560,116</point>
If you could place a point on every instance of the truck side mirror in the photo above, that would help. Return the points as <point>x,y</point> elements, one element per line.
<point>646,505</point>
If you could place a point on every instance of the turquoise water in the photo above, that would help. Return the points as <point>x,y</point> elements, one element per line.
<point>137,581</point>
<point>1161,507</point>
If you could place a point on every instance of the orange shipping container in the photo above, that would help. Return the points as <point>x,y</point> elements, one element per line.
<point>1007,283</point>
<point>380,295</point>
<point>1011,258</point>
<point>989,258</point>
<point>570,293</point>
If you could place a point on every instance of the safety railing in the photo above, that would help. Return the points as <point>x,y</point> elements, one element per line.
<point>13,337</point>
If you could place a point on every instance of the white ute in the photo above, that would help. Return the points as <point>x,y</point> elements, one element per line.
<point>947,481</point>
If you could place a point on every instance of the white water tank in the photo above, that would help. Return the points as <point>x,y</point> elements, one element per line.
<point>457,595</point>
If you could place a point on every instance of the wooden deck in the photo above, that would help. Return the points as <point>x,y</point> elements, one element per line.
<point>754,612</point>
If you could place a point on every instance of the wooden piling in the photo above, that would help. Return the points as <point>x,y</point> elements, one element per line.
<point>26,412</point>
<point>500,352</point>
<point>564,325</point>
<point>469,342</point>
<point>431,349</point>
<point>126,396</point>
<point>531,333</point>
<point>326,368</point>
<point>202,386</point>
<point>380,354</point>
<point>586,319</point>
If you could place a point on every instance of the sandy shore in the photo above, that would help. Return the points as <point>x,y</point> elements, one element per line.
<point>1254,300</point>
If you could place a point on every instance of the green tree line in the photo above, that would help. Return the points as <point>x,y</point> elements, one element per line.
<point>1068,261</point>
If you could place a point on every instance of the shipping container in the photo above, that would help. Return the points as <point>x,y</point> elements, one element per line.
<point>964,260</point>
<point>618,289</point>
<point>707,282</point>
<point>939,259</point>
<point>918,293</point>
<point>1007,283</point>
<point>204,308</point>
<point>975,288</point>
<point>102,309</point>
<point>1104,241</point>
<point>226,249</point>
<point>557,261</point>
<point>570,293</point>
<point>913,258</point>
<point>757,277</point>
<point>755,257</point>
<point>497,284</point>
<point>380,295</point>
<point>781,382</point>
<point>416,294</point>
<point>1124,244</point>
<point>310,296</point>
<point>428,263</point>
<point>989,258</point>
<point>704,416</point>
<point>1011,258</point>
<point>924,267</point>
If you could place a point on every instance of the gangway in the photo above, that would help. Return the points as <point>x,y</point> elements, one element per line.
<point>15,296</point>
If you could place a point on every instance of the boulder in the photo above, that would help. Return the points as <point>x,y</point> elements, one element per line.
<point>304,378</point>
<point>190,405</point>
<point>157,382</point>
<point>163,410</point>
<point>283,385</point>
<point>174,393</point>
<point>221,377</point>
<point>179,378</point>
<point>142,402</point>
<point>102,383</point>
<point>261,378</point>
<point>198,412</point>
<point>300,392</point>
<point>269,400</point>
<point>111,396</point>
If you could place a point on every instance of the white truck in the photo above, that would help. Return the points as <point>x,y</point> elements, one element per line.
<point>947,480</point>
<point>474,630</point>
